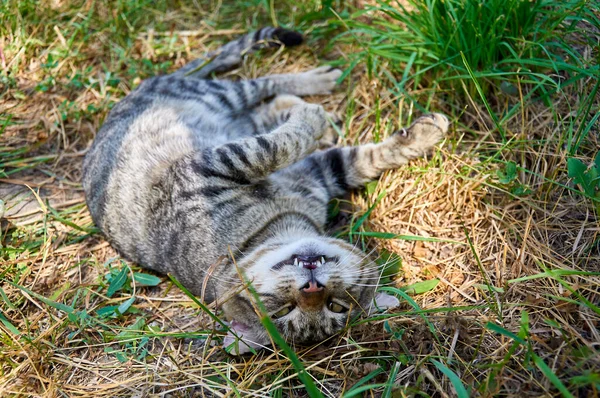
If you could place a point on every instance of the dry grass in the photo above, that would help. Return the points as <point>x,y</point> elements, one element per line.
<point>499,250</point>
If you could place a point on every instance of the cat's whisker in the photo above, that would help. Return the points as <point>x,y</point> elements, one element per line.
<point>367,266</point>
<point>224,280</point>
<point>351,252</point>
<point>357,265</point>
<point>373,284</point>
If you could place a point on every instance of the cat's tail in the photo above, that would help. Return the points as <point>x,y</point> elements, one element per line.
<point>231,53</point>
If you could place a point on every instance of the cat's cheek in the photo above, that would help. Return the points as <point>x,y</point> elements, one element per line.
<point>260,271</point>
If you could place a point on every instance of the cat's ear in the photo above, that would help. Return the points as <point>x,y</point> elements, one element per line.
<point>242,339</point>
<point>382,301</point>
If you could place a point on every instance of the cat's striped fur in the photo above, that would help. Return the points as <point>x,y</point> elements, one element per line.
<point>188,171</point>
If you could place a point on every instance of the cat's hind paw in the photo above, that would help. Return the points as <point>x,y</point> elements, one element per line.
<point>321,80</point>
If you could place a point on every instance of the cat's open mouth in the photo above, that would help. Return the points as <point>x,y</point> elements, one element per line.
<point>303,261</point>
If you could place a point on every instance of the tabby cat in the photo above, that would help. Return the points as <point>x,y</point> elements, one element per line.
<point>219,182</point>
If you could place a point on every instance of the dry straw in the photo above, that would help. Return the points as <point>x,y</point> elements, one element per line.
<point>482,242</point>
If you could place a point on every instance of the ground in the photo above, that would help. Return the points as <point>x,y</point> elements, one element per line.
<point>494,238</point>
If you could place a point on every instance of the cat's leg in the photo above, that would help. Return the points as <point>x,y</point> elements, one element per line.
<point>231,54</point>
<point>240,98</point>
<point>252,92</point>
<point>244,95</point>
<point>273,113</point>
<point>252,159</point>
<point>338,170</point>
<point>316,81</point>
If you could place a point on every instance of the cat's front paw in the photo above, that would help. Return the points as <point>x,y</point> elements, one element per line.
<point>333,132</point>
<point>312,116</point>
<point>321,80</point>
<point>242,339</point>
<point>424,133</point>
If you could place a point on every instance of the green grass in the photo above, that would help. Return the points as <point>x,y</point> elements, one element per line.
<point>492,242</point>
<point>505,42</point>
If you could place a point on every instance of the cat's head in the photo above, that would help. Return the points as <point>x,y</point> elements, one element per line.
<point>310,287</point>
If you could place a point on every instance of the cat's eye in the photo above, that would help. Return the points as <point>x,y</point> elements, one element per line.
<point>282,312</point>
<point>337,308</point>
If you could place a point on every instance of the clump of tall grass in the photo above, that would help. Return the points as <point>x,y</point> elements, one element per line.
<point>459,41</point>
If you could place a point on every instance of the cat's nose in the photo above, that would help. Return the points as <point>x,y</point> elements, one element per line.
<point>312,286</point>
<point>312,296</point>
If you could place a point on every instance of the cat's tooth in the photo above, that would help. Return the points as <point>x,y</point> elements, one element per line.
<point>296,262</point>
<point>301,264</point>
<point>323,260</point>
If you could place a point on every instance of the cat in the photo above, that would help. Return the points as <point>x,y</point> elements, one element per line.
<point>220,183</point>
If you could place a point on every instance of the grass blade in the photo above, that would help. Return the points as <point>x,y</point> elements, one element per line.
<point>539,362</point>
<point>59,306</point>
<point>362,389</point>
<point>362,218</point>
<point>498,329</point>
<point>389,235</point>
<point>309,384</point>
<point>387,392</point>
<point>9,325</point>
<point>421,287</point>
<point>413,304</point>
<point>460,389</point>
<point>198,302</point>
<point>483,98</point>
<point>143,279</point>
<point>117,282</point>
<point>372,374</point>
